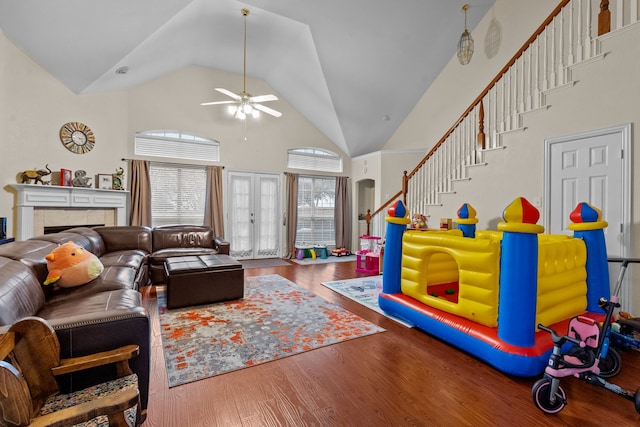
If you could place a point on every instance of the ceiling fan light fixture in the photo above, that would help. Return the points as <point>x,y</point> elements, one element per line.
<point>465,45</point>
<point>244,104</point>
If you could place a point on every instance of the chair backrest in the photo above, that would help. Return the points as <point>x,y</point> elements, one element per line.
<point>585,329</point>
<point>29,351</point>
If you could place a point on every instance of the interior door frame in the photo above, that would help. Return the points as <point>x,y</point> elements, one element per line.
<point>624,133</point>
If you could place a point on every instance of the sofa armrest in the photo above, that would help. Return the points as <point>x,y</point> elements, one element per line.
<point>221,245</point>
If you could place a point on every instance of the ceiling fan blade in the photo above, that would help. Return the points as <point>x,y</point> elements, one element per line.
<point>218,102</point>
<point>267,110</point>
<point>229,93</point>
<point>263,98</point>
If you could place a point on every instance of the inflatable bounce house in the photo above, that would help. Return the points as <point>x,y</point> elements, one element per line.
<point>485,292</point>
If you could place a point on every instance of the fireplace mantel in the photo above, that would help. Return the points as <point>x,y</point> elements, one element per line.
<point>32,196</point>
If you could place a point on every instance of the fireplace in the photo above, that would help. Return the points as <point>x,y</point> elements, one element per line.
<point>40,206</point>
<point>50,229</point>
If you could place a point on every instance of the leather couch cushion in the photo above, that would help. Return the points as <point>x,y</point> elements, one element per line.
<point>132,259</point>
<point>64,237</point>
<point>120,238</point>
<point>97,245</point>
<point>30,253</point>
<point>111,279</point>
<point>96,307</point>
<point>182,236</point>
<point>20,292</point>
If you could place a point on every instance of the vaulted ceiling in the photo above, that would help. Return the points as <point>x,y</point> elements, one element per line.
<point>353,68</point>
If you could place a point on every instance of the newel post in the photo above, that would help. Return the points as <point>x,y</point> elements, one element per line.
<point>481,140</point>
<point>405,187</point>
<point>367,217</point>
<point>604,18</point>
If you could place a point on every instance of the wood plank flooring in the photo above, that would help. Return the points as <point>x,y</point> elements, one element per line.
<point>401,377</point>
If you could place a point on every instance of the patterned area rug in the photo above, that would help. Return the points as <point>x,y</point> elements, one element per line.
<point>363,290</point>
<point>276,319</point>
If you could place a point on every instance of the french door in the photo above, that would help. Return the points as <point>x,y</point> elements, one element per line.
<point>253,226</point>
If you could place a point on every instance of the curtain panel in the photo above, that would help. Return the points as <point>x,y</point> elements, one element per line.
<point>291,189</point>
<point>213,208</point>
<point>140,194</point>
<point>342,213</point>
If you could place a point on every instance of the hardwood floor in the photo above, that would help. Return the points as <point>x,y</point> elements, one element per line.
<point>401,377</point>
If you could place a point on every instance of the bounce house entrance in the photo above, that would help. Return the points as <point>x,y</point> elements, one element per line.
<point>442,276</point>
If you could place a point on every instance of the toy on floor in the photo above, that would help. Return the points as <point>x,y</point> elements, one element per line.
<point>340,252</point>
<point>625,332</point>
<point>590,359</point>
<point>368,257</point>
<point>497,293</point>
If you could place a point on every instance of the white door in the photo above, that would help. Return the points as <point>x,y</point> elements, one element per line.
<point>253,215</point>
<point>592,167</point>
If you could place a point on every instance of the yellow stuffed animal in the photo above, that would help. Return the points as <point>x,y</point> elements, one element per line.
<point>71,265</point>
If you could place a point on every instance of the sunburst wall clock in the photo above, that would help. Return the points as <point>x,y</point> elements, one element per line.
<point>77,137</point>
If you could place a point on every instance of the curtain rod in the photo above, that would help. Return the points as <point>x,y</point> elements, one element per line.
<point>169,163</point>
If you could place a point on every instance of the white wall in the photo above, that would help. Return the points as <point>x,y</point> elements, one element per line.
<point>35,105</point>
<point>457,85</point>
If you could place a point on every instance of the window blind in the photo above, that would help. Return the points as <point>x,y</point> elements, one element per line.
<point>177,194</point>
<point>316,214</point>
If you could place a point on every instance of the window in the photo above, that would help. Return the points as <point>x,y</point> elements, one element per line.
<point>314,159</point>
<point>176,144</point>
<point>316,215</point>
<point>177,194</point>
<point>177,191</point>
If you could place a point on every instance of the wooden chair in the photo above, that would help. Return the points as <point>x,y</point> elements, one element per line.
<point>29,394</point>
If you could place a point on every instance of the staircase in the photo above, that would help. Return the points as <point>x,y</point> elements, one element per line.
<point>476,146</point>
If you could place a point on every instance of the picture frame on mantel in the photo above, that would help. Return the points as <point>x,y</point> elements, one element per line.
<point>105,181</point>
<point>66,178</point>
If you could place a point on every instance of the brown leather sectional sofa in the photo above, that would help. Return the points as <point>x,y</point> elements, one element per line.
<point>108,311</point>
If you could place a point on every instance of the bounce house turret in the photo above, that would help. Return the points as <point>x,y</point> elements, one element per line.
<point>467,220</point>
<point>519,273</point>
<point>397,221</point>
<point>587,224</point>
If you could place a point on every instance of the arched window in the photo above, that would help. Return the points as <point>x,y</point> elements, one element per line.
<point>314,159</point>
<point>176,144</point>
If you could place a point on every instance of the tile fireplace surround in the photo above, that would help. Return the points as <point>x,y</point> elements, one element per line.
<point>73,202</point>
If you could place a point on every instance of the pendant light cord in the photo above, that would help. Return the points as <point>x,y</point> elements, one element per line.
<point>245,12</point>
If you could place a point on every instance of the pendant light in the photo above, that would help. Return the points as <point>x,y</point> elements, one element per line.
<point>465,45</point>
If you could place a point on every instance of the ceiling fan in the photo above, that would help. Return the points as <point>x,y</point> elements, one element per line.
<point>244,103</point>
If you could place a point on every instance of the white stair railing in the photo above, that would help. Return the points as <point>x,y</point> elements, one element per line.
<point>567,38</point>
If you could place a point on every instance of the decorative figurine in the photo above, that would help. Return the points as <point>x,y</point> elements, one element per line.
<point>35,175</point>
<point>118,178</point>
<point>81,179</point>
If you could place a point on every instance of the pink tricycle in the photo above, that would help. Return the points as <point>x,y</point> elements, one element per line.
<point>590,359</point>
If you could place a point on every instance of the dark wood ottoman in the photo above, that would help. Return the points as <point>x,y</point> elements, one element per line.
<point>203,279</point>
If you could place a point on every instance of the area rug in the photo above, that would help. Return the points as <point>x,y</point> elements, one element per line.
<point>275,319</point>
<point>363,290</point>
<point>263,263</point>
<point>327,260</point>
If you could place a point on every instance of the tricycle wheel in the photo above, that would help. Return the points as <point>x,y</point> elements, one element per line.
<point>541,394</point>
<point>610,366</point>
